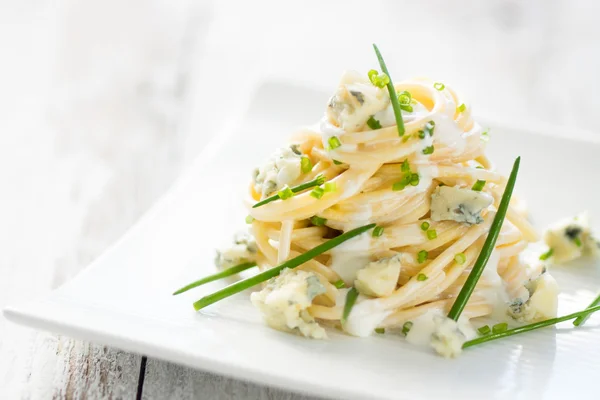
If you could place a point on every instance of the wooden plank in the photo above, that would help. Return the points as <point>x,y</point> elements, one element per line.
<point>170,381</point>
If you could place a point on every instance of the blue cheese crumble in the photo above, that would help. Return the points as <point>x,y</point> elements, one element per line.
<point>242,250</point>
<point>570,239</point>
<point>379,278</point>
<point>450,203</point>
<point>447,338</point>
<point>285,300</point>
<point>539,303</point>
<point>282,168</point>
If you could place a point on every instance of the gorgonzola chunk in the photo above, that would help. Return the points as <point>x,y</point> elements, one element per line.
<point>542,303</point>
<point>571,238</point>
<point>355,101</point>
<point>282,168</point>
<point>379,278</point>
<point>285,300</point>
<point>447,338</point>
<point>242,250</point>
<point>450,203</point>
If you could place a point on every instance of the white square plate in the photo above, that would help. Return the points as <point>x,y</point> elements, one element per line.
<point>124,298</point>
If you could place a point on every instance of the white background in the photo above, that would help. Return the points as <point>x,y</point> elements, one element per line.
<point>97,97</point>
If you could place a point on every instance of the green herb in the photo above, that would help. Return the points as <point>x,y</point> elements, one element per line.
<point>273,272</point>
<point>318,221</point>
<point>378,80</point>
<point>422,277</point>
<point>422,256</point>
<point>431,234</point>
<point>499,328</point>
<point>339,284</point>
<point>488,247</point>
<point>405,166</point>
<point>414,179</point>
<point>378,231</point>
<point>404,98</point>
<point>285,193</point>
<point>581,320</point>
<point>484,330</point>
<point>439,86</point>
<point>479,167</point>
<point>425,225</point>
<point>577,242</point>
<point>381,331</point>
<point>336,162</point>
<point>430,127</point>
<point>397,186</point>
<point>530,327</point>
<point>219,275</point>
<point>334,143</point>
<point>460,258</point>
<point>317,192</point>
<point>428,150</point>
<point>422,134</point>
<point>478,186</point>
<point>547,254</point>
<point>350,300</point>
<point>462,107</point>
<point>249,219</point>
<point>407,108</point>
<point>373,123</point>
<point>329,187</point>
<point>485,136</point>
<point>407,327</point>
<point>319,180</point>
<point>305,165</point>
<point>392,92</point>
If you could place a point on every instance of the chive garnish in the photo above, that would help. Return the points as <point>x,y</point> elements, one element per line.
<point>439,86</point>
<point>478,186</point>
<point>547,255</point>
<point>422,277</point>
<point>462,107</point>
<point>285,193</point>
<point>373,123</point>
<point>431,234</point>
<point>422,256</point>
<point>249,219</point>
<point>428,149</point>
<point>406,327</point>
<point>318,221</point>
<point>530,327</point>
<point>581,320</point>
<point>460,258</point>
<point>319,180</point>
<point>484,330</point>
<point>305,165</point>
<point>488,247</point>
<point>317,192</point>
<point>500,327</point>
<point>339,284</point>
<point>378,231</point>
<point>392,92</point>
<point>334,143</point>
<point>219,275</point>
<point>270,273</point>
<point>350,300</point>
<point>425,225</point>
<point>381,331</point>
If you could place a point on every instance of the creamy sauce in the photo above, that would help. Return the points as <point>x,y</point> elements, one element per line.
<point>366,315</point>
<point>449,133</point>
<point>350,256</point>
<point>495,295</point>
<point>425,325</point>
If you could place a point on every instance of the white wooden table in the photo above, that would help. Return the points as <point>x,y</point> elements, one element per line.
<point>102,103</point>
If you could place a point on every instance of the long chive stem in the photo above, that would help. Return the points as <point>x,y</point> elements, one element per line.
<point>488,247</point>
<point>350,300</point>
<point>319,180</point>
<point>581,320</point>
<point>392,92</point>
<point>270,273</point>
<point>219,275</point>
<point>530,327</point>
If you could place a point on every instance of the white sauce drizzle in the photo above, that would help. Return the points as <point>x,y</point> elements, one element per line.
<point>351,256</point>
<point>424,326</point>
<point>366,315</point>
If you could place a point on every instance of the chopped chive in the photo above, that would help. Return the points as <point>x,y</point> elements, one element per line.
<point>285,193</point>
<point>485,136</point>
<point>373,123</point>
<point>397,186</point>
<point>381,331</point>
<point>428,150</point>
<point>547,254</point>
<point>430,127</point>
<point>317,192</point>
<point>406,327</point>
<point>460,258</point>
<point>462,107</point>
<point>392,93</point>
<point>318,221</point>
<point>421,134</point>
<point>249,219</point>
<point>478,186</point>
<point>501,327</point>
<point>334,142</point>
<point>305,165</point>
<point>422,256</point>
<point>422,277</point>
<point>378,80</point>
<point>405,166</point>
<point>336,162</point>
<point>484,330</point>
<point>577,242</point>
<point>414,179</point>
<point>406,138</point>
<point>319,180</point>
<point>330,187</point>
<point>339,284</point>
<point>425,225</point>
<point>488,247</point>
<point>378,231</point>
<point>273,272</point>
<point>439,86</point>
<point>407,108</point>
<point>350,300</point>
<point>219,275</point>
<point>530,327</point>
<point>479,167</point>
<point>431,234</point>
<point>581,320</point>
<point>404,98</point>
